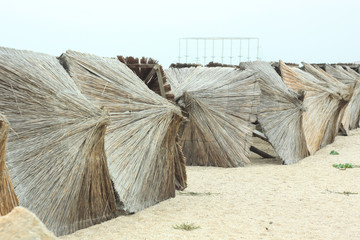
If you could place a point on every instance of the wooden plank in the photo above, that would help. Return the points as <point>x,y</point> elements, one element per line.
<point>260,135</point>
<point>260,153</point>
<point>160,80</point>
<point>148,78</point>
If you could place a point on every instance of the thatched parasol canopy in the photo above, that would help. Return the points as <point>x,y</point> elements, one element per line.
<point>8,198</point>
<point>340,74</point>
<point>280,114</point>
<point>56,154</point>
<point>149,71</point>
<point>352,110</point>
<point>321,102</point>
<point>221,104</point>
<point>335,108</point>
<point>140,142</point>
<point>354,104</point>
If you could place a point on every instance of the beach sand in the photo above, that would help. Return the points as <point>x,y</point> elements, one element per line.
<point>265,200</point>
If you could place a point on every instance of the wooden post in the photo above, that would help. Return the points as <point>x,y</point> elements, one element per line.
<point>160,80</point>
<point>260,135</point>
<point>261,153</point>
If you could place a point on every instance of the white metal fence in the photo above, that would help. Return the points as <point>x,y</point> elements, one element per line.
<point>222,50</point>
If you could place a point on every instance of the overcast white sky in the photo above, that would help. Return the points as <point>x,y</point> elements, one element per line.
<point>294,31</point>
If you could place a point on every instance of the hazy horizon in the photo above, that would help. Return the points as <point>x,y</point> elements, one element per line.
<point>294,31</point>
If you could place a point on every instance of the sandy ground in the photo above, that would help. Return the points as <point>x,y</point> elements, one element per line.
<point>265,200</point>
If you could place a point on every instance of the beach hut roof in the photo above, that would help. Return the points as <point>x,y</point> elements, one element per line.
<point>280,113</point>
<point>140,142</point>
<point>221,104</point>
<point>8,197</point>
<point>56,154</point>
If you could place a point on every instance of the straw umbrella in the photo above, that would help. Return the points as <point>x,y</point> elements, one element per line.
<point>321,102</point>
<point>8,198</point>
<point>56,154</point>
<point>149,71</point>
<point>140,142</point>
<point>352,110</point>
<point>280,114</point>
<point>341,94</point>
<point>221,104</point>
<point>354,104</point>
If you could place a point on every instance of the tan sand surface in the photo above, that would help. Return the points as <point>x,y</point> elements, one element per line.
<point>262,201</point>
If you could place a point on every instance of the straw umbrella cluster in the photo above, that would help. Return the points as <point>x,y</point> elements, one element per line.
<point>93,137</point>
<point>300,110</point>
<point>325,101</point>
<point>89,139</point>
<point>55,151</point>
<point>351,79</point>
<point>140,142</point>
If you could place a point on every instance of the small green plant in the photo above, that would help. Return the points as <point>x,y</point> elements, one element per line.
<point>333,152</point>
<point>197,193</point>
<point>186,227</point>
<point>343,166</point>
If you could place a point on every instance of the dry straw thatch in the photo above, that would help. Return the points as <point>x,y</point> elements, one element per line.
<point>335,109</point>
<point>56,154</point>
<point>280,114</point>
<point>144,69</point>
<point>8,198</point>
<point>352,111</point>
<point>354,104</point>
<point>321,102</point>
<point>140,142</point>
<point>221,104</point>
<point>340,74</point>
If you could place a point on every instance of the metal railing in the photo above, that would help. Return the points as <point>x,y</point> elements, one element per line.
<point>241,42</point>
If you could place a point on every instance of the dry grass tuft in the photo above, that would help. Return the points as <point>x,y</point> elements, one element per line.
<point>186,226</point>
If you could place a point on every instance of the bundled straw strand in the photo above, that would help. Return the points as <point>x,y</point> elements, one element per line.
<point>8,198</point>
